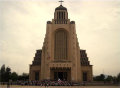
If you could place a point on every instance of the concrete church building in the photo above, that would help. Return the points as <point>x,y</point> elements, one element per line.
<point>61,56</point>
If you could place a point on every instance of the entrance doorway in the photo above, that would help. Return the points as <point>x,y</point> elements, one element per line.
<point>60,75</point>
<point>84,76</point>
<point>36,75</point>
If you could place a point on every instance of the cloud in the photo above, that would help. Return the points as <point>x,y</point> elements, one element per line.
<point>23,28</point>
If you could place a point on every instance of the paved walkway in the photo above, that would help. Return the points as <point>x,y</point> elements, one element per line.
<point>1,86</point>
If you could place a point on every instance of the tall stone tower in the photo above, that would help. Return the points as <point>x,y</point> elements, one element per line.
<point>61,57</point>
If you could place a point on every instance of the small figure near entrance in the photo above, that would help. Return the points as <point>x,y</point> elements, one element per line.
<point>59,79</point>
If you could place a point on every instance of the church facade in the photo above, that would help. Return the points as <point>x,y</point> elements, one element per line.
<point>61,56</point>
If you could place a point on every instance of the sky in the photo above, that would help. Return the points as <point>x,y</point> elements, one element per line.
<point>23,28</point>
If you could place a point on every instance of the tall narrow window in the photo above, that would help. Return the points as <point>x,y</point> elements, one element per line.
<point>57,15</point>
<point>64,15</point>
<point>60,50</point>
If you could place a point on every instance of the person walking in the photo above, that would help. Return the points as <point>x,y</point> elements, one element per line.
<point>8,85</point>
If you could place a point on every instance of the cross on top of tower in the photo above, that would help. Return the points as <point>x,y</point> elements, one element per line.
<point>61,2</point>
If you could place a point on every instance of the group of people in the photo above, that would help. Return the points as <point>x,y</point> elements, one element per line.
<point>46,83</point>
<point>42,83</point>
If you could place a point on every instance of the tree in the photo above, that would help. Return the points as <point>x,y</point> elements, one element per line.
<point>2,73</point>
<point>109,78</point>
<point>118,77</point>
<point>101,77</point>
<point>14,76</point>
<point>114,79</point>
<point>7,74</point>
<point>24,76</point>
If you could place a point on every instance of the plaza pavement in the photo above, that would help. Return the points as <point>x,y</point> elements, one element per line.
<point>4,86</point>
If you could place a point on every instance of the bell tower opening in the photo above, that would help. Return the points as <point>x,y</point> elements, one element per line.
<point>61,15</point>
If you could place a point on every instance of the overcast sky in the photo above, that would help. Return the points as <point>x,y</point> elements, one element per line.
<point>23,28</point>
